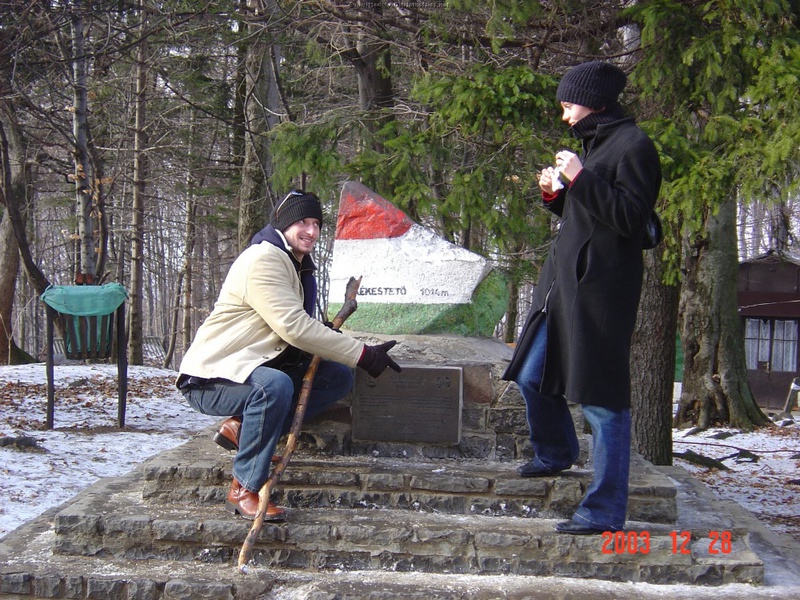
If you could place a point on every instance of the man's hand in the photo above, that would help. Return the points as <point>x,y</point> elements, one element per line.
<point>329,325</point>
<point>374,359</point>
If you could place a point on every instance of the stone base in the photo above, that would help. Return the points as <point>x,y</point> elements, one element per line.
<point>115,540</point>
<point>379,521</point>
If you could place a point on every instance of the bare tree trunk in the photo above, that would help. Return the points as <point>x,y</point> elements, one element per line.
<point>189,307</point>
<point>374,67</point>
<point>781,226</point>
<point>512,312</point>
<point>183,296</point>
<point>99,214</point>
<point>16,214</point>
<point>140,174</point>
<point>9,267</point>
<point>261,107</point>
<point>653,364</point>
<point>513,308</point>
<point>715,385</point>
<point>80,130</point>
<point>371,58</point>
<point>183,293</point>
<point>14,181</point>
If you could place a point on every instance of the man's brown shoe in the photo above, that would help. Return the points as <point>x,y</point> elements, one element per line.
<point>228,436</point>
<point>243,502</point>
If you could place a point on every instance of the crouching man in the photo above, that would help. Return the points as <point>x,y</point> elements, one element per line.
<point>249,356</point>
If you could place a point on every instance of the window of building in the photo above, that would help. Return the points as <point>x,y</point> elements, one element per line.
<point>771,344</point>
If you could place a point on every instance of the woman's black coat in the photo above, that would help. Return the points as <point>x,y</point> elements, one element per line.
<point>590,284</point>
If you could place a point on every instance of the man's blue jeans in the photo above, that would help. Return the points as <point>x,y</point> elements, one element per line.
<point>265,403</point>
<point>555,443</point>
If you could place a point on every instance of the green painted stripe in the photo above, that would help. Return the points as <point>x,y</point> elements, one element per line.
<point>475,319</point>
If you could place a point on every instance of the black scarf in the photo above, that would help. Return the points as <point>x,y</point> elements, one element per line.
<point>586,128</point>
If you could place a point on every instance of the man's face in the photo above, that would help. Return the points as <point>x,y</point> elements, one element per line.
<point>302,235</point>
<point>574,112</point>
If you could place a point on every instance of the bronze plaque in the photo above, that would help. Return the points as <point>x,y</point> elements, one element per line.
<point>421,404</point>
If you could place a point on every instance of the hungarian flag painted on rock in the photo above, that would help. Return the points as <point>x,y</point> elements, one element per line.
<point>413,281</point>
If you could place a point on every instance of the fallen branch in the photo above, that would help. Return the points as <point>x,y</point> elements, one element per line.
<point>698,459</point>
<point>742,456</point>
<point>711,444</point>
<point>348,308</point>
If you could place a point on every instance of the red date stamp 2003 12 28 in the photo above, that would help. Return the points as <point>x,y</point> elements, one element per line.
<point>638,542</point>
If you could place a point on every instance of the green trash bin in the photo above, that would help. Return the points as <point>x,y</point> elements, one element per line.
<point>90,315</point>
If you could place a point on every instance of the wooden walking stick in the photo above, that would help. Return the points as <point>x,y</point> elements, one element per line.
<point>348,308</point>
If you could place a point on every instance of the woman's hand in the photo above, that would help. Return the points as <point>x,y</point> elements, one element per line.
<point>549,181</point>
<point>569,164</point>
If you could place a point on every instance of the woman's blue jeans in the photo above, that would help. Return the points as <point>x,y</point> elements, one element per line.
<point>265,401</point>
<point>555,442</point>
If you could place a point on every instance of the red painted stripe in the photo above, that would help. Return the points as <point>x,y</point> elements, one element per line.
<point>364,215</point>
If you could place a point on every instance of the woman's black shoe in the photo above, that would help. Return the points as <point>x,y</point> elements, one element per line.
<point>573,528</point>
<point>533,469</point>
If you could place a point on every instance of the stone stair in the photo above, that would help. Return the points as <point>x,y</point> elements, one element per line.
<point>162,532</point>
<point>466,487</point>
<point>379,521</point>
<point>358,513</point>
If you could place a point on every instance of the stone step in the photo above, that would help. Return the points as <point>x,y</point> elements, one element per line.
<point>37,574</point>
<point>111,521</point>
<point>200,472</point>
<point>108,542</point>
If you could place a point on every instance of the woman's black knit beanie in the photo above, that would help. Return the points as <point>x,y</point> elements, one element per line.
<point>296,206</point>
<point>595,84</point>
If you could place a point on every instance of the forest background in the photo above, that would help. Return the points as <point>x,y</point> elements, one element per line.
<point>145,141</point>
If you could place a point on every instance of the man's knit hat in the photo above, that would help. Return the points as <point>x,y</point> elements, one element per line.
<point>595,84</point>
<point>296,206</point>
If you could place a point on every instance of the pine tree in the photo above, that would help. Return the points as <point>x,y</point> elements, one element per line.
<point>725,76</point>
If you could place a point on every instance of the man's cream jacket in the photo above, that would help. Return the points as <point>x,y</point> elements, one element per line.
<point>259,313</point>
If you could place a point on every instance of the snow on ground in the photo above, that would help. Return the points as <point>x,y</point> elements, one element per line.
<point>763,472</point>
<point>86,445</point>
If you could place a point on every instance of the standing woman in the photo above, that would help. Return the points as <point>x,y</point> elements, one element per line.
<point>577,338</point>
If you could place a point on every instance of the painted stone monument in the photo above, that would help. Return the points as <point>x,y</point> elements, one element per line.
<point>413,281</point>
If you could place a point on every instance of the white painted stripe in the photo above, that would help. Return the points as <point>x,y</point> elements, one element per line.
<point>418,267</point>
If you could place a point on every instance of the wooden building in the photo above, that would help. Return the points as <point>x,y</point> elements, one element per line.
<point>769,304</point>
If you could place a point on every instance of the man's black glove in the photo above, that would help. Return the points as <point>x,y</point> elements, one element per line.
<point>374,359</point>
<point>329,325</point>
